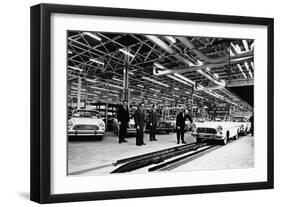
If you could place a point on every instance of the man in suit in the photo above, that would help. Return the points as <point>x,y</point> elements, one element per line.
<point>180,124</point>
<point>252,124</point>
<point>153,123</point>
<point>139,117</point>
<point>123,118</point>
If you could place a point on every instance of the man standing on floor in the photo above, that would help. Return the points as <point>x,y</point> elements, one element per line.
<point>123,118</point>
<point>252,124</point>
<point>153,123</point>
<point>140,124</point>
<point>180,124</point>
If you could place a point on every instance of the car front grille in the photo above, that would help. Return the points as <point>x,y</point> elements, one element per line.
<point>86,127</point>
<point>206,130</point>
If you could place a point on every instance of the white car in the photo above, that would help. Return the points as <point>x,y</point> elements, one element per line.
<point>86,123</point>
<point>220,131</point>
<point>245,125</point>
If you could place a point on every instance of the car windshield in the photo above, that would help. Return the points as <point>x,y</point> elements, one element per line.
<point>88,114</point>
<point>239,119</point>
<point>171,118</point>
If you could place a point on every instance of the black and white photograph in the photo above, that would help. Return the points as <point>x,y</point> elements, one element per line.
<point>156,103</point>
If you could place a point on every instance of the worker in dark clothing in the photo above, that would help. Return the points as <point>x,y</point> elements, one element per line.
<point>252,124</point>
<point>123,118</point>
<point>139,117</point>
<point>153,123</point>
<point>180,124</point>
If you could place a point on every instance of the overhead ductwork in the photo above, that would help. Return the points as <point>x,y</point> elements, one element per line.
<point>200,67</point>
<point>204,57</point>
<point>168,49</point>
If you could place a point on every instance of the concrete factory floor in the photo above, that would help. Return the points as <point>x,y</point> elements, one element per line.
<point>96,157</point>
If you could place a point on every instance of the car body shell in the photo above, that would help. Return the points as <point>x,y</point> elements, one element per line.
<point>86,126</point>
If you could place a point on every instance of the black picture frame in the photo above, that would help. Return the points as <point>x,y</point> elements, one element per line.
<point>41,95</point>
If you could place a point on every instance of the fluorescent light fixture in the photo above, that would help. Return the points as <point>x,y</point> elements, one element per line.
<point>179,80</point>
<point>176,89</point>
<point>117,79</point>
<point>91,94</point>
<point>75,68</point>
<point>200,86</point>
<point>247,66</point>
<point>245,43</point>
<point>92,35</point>
<point>82,89</point>
<point>185,78</point>
<point>126,52</point>
<point>111,94</point>
<point>155,81</point>
<point>96,61</point>
<point>213,94</point>
<point>136,99</point>
<point>200,71</point>
<point>69,52</point>
<point>115,86</point>
<point>199,62</point>
<point>216,75</point>
<point>158,65</point>
<point>141,86</point>
<point>198,96</point>
<point>155,90</point>
<point>171,39</point>
<point>103,89</point>
<point>91,80</point>
<point>170,99</point>
<point>190,63</point>
<point>240,68</point>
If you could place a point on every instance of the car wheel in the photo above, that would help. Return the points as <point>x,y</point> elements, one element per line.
<point>237,135</point>
<point>225,140</point>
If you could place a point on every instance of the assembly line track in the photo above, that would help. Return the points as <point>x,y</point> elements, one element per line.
<point>137,162</point>
<point>148,155</point>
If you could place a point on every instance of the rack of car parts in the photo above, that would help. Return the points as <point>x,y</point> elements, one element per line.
<point>140,161</point>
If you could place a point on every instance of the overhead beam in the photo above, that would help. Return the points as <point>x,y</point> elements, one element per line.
<point>240,82</point>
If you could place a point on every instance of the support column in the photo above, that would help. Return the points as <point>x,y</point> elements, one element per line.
<point>79,93</point>
<point>126,92</point>
<point>106,107</point>
<point>192,97</point>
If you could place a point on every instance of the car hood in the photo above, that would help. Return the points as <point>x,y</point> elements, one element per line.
<point>211,124</point>
<point>78,120</point>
